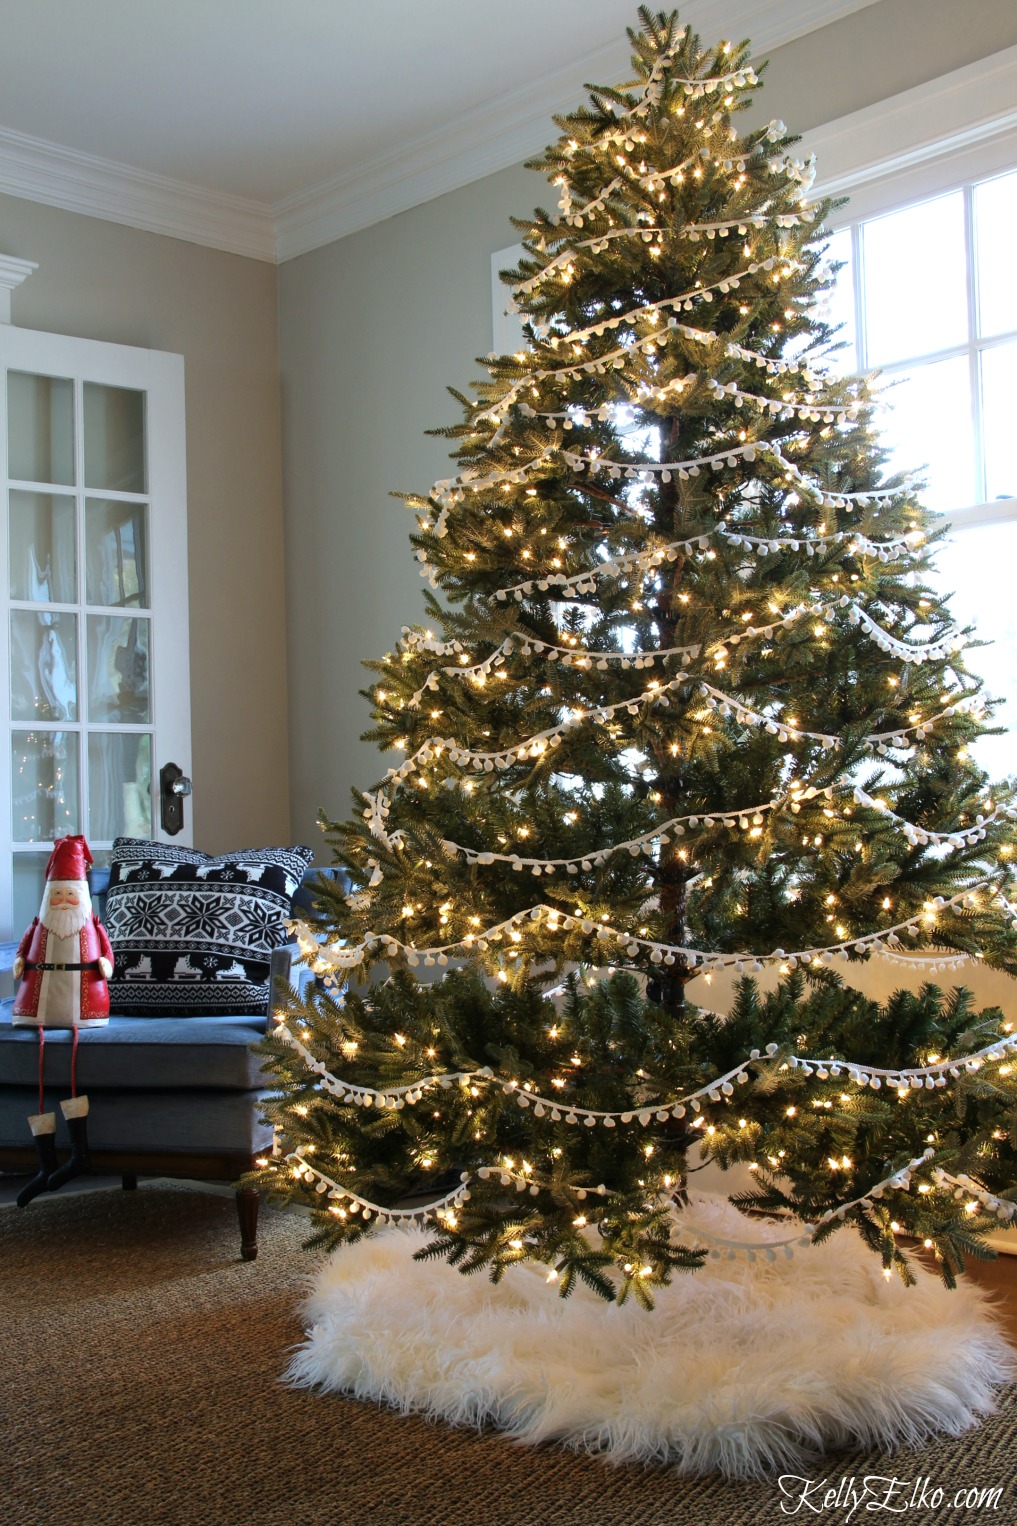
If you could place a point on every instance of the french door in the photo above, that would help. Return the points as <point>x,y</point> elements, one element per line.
<point>93,574</point>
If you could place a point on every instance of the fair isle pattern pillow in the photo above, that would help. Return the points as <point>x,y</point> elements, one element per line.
<point>191,934</point>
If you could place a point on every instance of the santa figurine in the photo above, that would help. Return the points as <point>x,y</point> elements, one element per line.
<point>62,966</point>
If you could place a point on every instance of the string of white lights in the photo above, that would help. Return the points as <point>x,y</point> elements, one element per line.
<point>857,544</point>
<point>805,1234</point>
<point>443,1209</point>
<point>811,408</point>
<point>630,138</point>
<point>651,93</point>
<point>454,489</point>
<point>690,467</point>
<point>749,819</point>
<point>656,693</point>
<point>495,411</point>
<point>596,245</point>
<point>654,180</point>
<point>565,585</point>
<point>978,1196</point>
<point>784,730</point>
<point>921,836</point>
<point>347,956</point>
<point>535,745</point>
<point>746,819</point>
<point>338,1193</point>
<point>648,232</point>
<point>719,1089</point>
<point>577,416</point>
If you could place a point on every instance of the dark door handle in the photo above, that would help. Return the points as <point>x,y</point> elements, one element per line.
<point>174,786</point>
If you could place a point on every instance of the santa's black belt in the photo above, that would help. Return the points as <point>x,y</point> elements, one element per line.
<point>92,964</point>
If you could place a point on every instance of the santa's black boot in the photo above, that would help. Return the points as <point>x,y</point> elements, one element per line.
<point>43,1127</point>
<point>75,1110</point>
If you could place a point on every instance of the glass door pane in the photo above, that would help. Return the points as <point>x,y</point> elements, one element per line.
<point>40,428</point>
<point>116,553</point>
<point>119,784</point>
<point>41,546</point>
<point>114,438</point>
<point>118,669</point>
<point>45,798</point>
<point>29,874</point>
<point>44,666</point>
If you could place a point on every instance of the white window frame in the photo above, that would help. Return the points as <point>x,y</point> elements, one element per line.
<point>950,134</point>
<point>983,510</point>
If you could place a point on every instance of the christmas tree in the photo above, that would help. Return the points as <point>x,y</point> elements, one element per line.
<point>687,702</point>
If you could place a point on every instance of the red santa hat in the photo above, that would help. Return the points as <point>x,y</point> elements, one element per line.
<point>69,860</point>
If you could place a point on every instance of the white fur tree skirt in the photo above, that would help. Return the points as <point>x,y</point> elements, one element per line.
<point>742,1368</point>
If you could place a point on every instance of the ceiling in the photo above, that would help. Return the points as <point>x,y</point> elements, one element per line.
<point>272,126</point>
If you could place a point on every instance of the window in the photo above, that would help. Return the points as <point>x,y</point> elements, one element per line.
<point>927,299</point>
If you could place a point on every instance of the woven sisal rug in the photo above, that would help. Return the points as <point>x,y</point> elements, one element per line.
<point>141,1385</point>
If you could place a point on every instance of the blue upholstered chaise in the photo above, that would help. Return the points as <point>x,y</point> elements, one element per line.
<point>168,1096</point>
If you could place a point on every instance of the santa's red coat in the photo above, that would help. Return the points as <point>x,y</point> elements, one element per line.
<point>63,998</point>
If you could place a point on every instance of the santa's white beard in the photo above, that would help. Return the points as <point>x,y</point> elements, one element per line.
<point>65,921</point>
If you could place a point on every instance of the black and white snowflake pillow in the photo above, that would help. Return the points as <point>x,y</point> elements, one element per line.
<point>193,934</point>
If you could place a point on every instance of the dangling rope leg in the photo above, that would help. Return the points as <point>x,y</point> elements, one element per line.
<point>42,1049</point>
<point>75,1111</point>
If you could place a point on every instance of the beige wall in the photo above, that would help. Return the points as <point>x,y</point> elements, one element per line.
<point>98,280</point>
<point>877,52</point>
<point>373,329</point>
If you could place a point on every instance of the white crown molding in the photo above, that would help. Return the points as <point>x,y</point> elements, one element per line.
<point>933,121</point>
<point>12,273</point>
<point>967,107</point>
<point>503,132</point>
<point>64,177</point>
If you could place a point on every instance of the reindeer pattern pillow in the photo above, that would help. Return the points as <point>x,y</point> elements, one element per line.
<point>193,934</point>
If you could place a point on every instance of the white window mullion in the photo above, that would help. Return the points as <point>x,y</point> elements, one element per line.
<point>974,354</point>
<point>858,284</point>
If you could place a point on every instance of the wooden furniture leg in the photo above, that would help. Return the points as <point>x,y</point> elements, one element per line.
<point>129,1181</point>
<point>248,1200</point>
